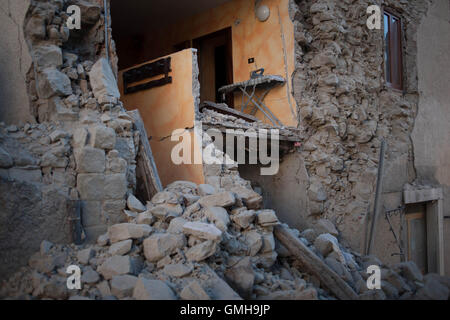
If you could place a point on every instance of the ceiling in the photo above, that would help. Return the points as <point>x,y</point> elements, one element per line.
<point>132,16</point>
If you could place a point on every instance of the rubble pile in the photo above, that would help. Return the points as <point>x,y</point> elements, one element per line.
<point>214,119</point>
<point>199,243</point>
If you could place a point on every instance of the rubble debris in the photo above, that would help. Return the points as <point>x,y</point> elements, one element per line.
<point>189,257</point>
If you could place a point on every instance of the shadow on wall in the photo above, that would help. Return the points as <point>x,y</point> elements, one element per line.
<point>285,192</point>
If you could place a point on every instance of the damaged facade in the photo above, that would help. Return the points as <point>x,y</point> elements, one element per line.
<point>70,164</point>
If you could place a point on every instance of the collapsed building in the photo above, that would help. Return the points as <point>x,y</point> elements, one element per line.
<point>361,170</point>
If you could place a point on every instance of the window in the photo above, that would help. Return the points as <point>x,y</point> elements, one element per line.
<point>393,62</point>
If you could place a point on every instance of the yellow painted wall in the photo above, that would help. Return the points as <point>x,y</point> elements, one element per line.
<point>165,109</point>
<point>251,39</point>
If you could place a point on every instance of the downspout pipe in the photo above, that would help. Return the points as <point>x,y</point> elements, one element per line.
<point>105,4</point>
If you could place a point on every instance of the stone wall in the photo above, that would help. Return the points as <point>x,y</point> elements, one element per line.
<point>346,109</point>
<point>83,147</point>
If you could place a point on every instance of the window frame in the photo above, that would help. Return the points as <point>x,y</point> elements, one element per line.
<point>393,55</point>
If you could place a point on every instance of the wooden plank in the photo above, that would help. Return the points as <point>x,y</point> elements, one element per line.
<point>224,109</point>
<point>146,167</point>
<point>314,265</point>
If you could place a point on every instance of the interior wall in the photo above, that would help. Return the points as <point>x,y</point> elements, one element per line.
<point>15,61</point>
<point>431,135</point>
<point>165,109</point>
<point>270,43</point>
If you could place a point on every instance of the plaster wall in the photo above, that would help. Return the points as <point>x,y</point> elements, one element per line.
<point>431,135</point>
<point>15,61</point>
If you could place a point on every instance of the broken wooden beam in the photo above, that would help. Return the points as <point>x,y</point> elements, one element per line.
<point>314,265</point>
<point>146,170</point>
<point>224,109</point>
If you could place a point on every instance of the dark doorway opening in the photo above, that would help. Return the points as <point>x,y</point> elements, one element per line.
<point>215,63</point>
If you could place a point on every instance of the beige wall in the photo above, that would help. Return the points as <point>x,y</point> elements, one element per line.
<point>431,136</point>
<point>15,62</point>
<point>165,109</point>
<point>271,43</point>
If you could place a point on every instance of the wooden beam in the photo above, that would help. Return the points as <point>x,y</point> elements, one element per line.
<point>146,167</point>
<point>314,265</point>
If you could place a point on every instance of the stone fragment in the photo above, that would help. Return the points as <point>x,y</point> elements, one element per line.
<point>201,251</point>
<point>103,137</point>
<point>53,83</point>
<point>194,291</point>
<point>152,290</point>
<point>410,271</point>
<point>85,255</point>
<point>47,56</point>
<point>103,82</point>
<point>90,276</point>
<point>116,265</point>
<point>244,219</point>
<point>267,218</point>
<point>241,277</point>
<point>251,199</point>
<point>178,270</point>
<point>123,286</point>
<point>254,242</point>
<point>135,205</point>
<point>206,190</point>
<point>219,216</point>
<point>120,248</point>
<point>310,235</point>
<point>45,247</point>
<point>203,231</point>
<point>160,245</point>
<point>176,225</point>
<point>125,231</point>
<point>145,218</point>
<point>223,199</point>
<point>326,226</point>
<point>103,240</point>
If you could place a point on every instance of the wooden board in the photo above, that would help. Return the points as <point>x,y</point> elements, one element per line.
<point>146,171</point>
<point>314,265</point>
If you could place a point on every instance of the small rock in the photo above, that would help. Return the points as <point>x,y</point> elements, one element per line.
<point>135,205</point>
<point>224,199</point>
<point>178,270</point>
<point>219,216</point>
<point>201,251</point>
<point>114,266</point>
<point>203,231</point>
<point>152,290</point>
<point>85,255</point>
<point>90,276</point>
<point>194,291</point>
<point>120,248</point>
<point>267,218</point>
<point>160,245</point>
<point>125,231</point>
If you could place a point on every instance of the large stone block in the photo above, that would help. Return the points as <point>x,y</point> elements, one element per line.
<point>91,186</point>
<point>160,245</point>
<point>115,266</point>
<point>115,186</point>
<point>125,231</point>
<point>47,56</point>
<point>91,160</point>
<point>103,137</point>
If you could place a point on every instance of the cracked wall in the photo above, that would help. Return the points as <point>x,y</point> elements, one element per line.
<point>15,62</point>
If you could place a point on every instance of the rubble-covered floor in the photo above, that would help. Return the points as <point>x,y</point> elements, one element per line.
<point>199,243</point>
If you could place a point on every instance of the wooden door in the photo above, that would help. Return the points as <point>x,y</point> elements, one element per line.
<point>416,224</point>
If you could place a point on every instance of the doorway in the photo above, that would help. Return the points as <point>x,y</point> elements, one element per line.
<point>215,62</point>
<point>416,228</point>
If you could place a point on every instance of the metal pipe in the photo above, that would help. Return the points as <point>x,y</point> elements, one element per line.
<point>377,197</point>
<point>105,4</point>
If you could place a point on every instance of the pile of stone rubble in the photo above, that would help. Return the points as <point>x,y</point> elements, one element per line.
<point>199,243</point>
